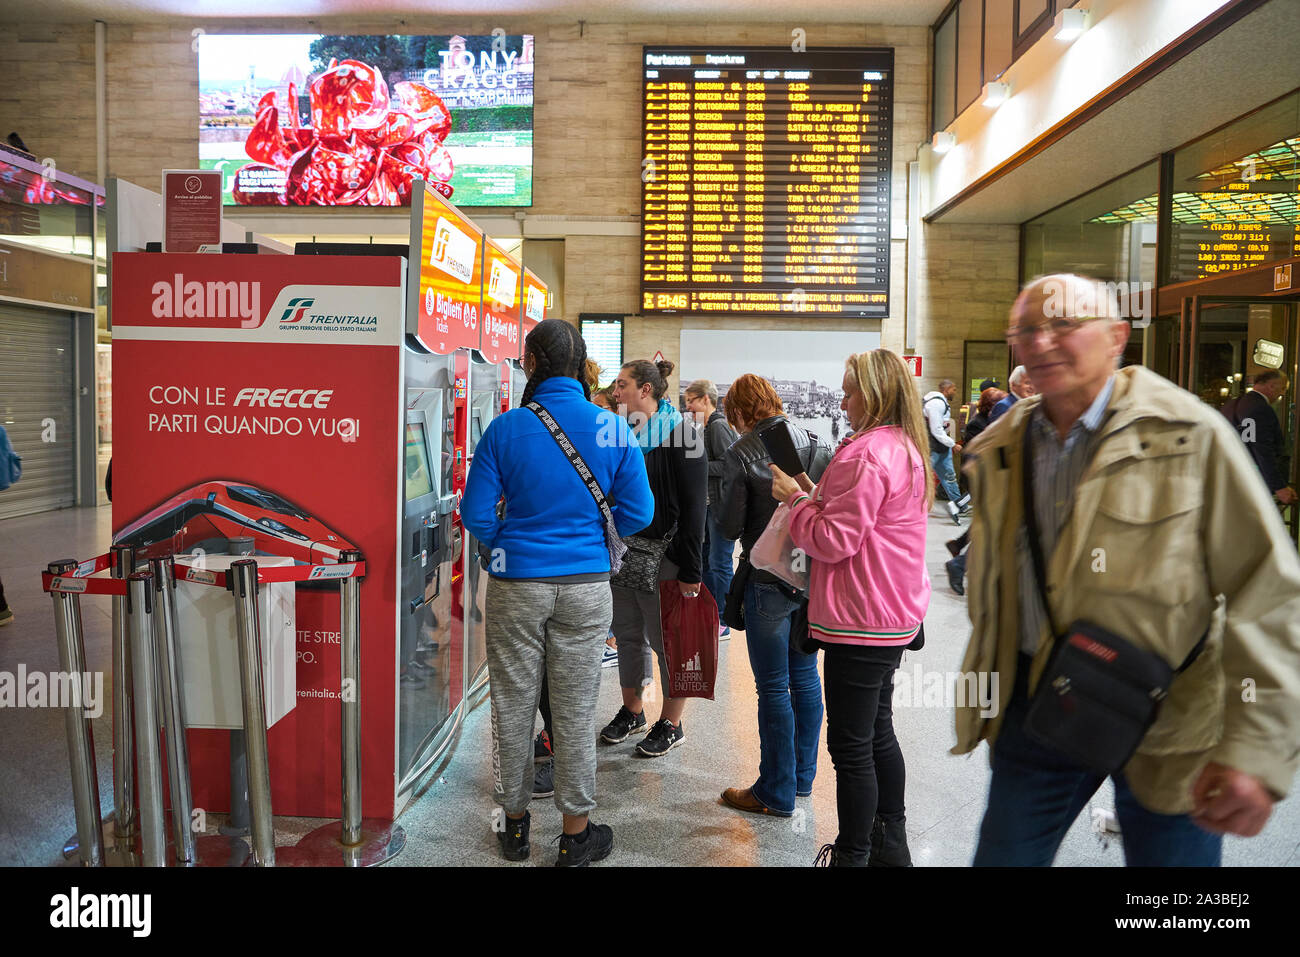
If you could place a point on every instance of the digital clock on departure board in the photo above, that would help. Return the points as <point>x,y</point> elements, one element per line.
<point>766,181</point>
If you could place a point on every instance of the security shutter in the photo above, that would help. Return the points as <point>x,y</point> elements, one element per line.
<point>36,406</point>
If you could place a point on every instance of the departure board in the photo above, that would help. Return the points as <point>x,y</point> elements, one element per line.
<point>766,181</point>
<point>1234,226</point>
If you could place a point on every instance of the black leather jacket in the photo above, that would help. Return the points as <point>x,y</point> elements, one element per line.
<point>747,504</point>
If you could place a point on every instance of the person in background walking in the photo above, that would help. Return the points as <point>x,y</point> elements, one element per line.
<point>937,407</point>
<point>679,475</point>
<point>548,594</point>
<point>1251,413</point>
<point>702,402</point>
<point>789,688</point>
<point>11,468</point>
<point>864,526</point>
<point>956,566</point>
<point>1021,388</point>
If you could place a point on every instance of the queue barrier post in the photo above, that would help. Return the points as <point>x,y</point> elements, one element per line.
<point>355,842</point>
<point>153,829</point>
<point>81,744</point>
<point>243,582</point>
<point>170,684</point>
<point>121,565</point>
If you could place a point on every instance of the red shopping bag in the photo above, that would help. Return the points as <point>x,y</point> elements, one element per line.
<point>690,628</point>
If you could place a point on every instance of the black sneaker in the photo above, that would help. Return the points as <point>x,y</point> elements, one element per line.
<point>663,737</point>
<point>542,750</point>
<point>544,780</point>
<point>514,839</point>
<point>624,723</point>
<point>575,853</point>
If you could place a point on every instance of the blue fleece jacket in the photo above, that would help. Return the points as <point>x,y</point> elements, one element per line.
<point>552,526</point>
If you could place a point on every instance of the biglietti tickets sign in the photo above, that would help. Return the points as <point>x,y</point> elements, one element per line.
<point>502,290</point>
<point>446,311</point>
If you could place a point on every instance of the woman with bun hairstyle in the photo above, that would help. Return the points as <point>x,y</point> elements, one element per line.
<point>678,471</point>
<point>548,597</point>
<point>863,526</point>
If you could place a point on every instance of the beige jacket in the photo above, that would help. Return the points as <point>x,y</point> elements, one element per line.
<point>1170,522</point>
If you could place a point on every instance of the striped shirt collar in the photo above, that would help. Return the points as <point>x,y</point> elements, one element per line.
<point>1090,420</point>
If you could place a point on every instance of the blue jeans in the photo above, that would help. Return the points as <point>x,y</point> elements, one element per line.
<point>789,700</point>
<point>942,465</point>
<point>718,570</point>
<point>1037,792</point>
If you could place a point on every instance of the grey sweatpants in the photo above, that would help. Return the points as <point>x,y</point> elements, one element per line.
<point>561,628</point>
<point>640,635</point>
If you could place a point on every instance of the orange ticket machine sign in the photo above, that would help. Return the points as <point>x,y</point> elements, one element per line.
<point>502,294</point>
<point>446,300</point>
<point>533,310</point>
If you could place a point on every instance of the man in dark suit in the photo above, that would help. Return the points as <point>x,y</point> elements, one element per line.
<point>1253,416</point>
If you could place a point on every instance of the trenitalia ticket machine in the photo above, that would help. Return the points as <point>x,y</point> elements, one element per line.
<point>430,683</point>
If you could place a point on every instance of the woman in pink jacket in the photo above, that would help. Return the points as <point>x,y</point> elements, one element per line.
<point>864,529</point>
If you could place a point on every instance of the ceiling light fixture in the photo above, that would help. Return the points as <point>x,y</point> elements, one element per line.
<point>1070,23</point>
<point>995,93</point>
<point>943,142</point>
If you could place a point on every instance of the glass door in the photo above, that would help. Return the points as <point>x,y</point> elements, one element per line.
<point>1235,340</point>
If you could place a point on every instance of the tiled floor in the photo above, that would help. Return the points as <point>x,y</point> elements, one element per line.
<point>664,812</point>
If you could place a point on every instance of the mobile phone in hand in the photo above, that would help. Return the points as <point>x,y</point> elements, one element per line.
<point>780,445</point>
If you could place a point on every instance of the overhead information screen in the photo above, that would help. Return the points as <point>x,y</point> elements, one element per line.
<point>766,181</point>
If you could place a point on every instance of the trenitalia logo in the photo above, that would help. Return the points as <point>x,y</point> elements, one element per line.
<point>297,309</point>
<point>502,284</point>
<point>453,251</point>
<point>535,305</point>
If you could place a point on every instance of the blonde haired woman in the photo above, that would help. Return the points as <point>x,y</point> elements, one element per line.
<point>864,527</point>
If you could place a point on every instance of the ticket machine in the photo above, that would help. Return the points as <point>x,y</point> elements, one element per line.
<point>429,684</point>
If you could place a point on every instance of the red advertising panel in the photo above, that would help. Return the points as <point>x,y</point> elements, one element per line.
<point>534,305</point>
<point>447,299</point>
<point>502,289</point>
<point>191,209</point>
<point>260,397</point>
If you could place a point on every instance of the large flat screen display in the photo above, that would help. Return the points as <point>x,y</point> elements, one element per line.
<point>325,120</point>
<point>766,181</point>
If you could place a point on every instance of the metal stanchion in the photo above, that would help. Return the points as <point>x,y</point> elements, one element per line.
<point>81,745</point>
<point>121,565</point>
<point>237,823</point>
<point>153,828</point>
<point>350,705</point>
<point>243,582</point>
<point>169,671</point>
<point>358,843</point>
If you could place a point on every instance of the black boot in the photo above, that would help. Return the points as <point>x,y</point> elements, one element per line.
<point>889,844</point>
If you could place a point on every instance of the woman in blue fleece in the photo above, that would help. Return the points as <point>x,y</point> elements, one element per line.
<point>548,596</point>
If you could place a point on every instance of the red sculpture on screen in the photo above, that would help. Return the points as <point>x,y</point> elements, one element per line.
<point>365,147</point>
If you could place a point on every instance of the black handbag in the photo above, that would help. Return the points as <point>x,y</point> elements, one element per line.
<point>613,542</point>
<point>733,612</point>
<point>1099,693</point>
<point>641,564</point>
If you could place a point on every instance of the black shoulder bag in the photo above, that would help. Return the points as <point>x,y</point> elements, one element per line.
<point>1099,693</point>
<point>612,540</point>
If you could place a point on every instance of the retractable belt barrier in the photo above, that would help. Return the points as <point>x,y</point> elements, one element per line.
<point>76,579</point>
<point>147,699</point>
